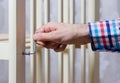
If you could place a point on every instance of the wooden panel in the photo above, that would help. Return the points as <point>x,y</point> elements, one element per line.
<point>16,41</point>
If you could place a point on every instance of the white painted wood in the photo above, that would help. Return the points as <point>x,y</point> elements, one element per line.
<point>47,66</point>
<point>65,11</point>
<point>39,53</point>
<point>83,48</point>
<point>60,54</point>
<point>93,57</point>
<point>3,37</point>
<point>60,10</point>
<point>39,65</point>
<point>39,13</point>
<point>46,11</point>
<point>83,64</point>
<point>47,52</point>
<point>16,41</point>
<point>60,67</point>
<point>65,56</point>
<point>32,30</point>
<point>71,47</point>
<point>65,68</point>
<point>3,47</point>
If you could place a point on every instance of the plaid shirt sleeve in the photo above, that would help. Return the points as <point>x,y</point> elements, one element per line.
<point>105,35</point>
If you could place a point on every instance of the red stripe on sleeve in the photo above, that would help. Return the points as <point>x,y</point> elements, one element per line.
<point>102,26</point>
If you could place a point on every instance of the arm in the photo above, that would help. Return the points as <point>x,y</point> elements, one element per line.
<point>105,35</point>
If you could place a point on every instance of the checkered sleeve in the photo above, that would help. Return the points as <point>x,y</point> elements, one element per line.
<point>105,35</point>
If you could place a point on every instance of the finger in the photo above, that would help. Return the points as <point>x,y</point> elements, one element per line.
<point>51,45</point>
<point>45,36</point>
<point>60,48</point>
<point>40,43</point>
<point>41,29</point>
<point>48,45</point>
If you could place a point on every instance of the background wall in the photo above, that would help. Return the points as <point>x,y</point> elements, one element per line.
<point>109,62</point>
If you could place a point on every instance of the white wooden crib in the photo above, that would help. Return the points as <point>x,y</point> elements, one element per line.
<point>13,46</point>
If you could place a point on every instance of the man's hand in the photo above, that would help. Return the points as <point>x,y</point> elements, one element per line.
<point>58,35</point>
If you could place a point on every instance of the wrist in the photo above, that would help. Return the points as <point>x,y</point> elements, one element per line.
<point>83,33</point>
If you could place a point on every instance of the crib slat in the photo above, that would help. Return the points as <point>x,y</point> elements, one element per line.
<point>60,54</point>
<point>32,30</point>
<point>83,55</point>
<point>39,53</point>
<point>93,11</point>
<point>60,11</point>
<point>65,56</point>
<point>60,67</point>
<point>65,68</point>
<point>47,52</point>
<point>72,55</point>
<point>47,65</point>
<point>65,11</point>
<point>83,64</point>
<point>71,47</point>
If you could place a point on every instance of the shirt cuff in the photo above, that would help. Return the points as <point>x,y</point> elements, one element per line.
<point>105,35</point>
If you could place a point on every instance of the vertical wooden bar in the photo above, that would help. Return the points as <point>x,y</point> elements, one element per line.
<point>72,47</point>
<point>16,41</point>
<point>83,55</point>
<point>60,54</point>
<point>39,53</point>
<point>93,10</point>
<point>60,67</point>
<point>47,54</point>
<point>32,29</point>
<point>83,64</point>
<point>65,56</point>
<point>60,10</point>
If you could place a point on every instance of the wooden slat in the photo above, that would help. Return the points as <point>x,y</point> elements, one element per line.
<point>83,55</point>
<point>39,49</point>
<point>32,30</point>
<point>93,57</point>
<point>65,56</point>
<point>60,54</point>
<point>71,47</point>
<point>60,67</point>
<point>16,41</point>
<point>47,53</point>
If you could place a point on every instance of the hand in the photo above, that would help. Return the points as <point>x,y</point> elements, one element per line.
<point>55,35</point>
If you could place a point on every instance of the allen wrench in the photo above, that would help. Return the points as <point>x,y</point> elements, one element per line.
<point>34,50</point>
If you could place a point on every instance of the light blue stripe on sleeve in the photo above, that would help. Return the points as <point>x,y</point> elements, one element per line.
<point>115,33</point>
<point>97,33</point>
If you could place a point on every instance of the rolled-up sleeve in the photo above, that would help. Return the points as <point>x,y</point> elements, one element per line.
<point>105,35</point>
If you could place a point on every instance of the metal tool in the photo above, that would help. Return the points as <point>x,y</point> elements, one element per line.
<point>34,50</point>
